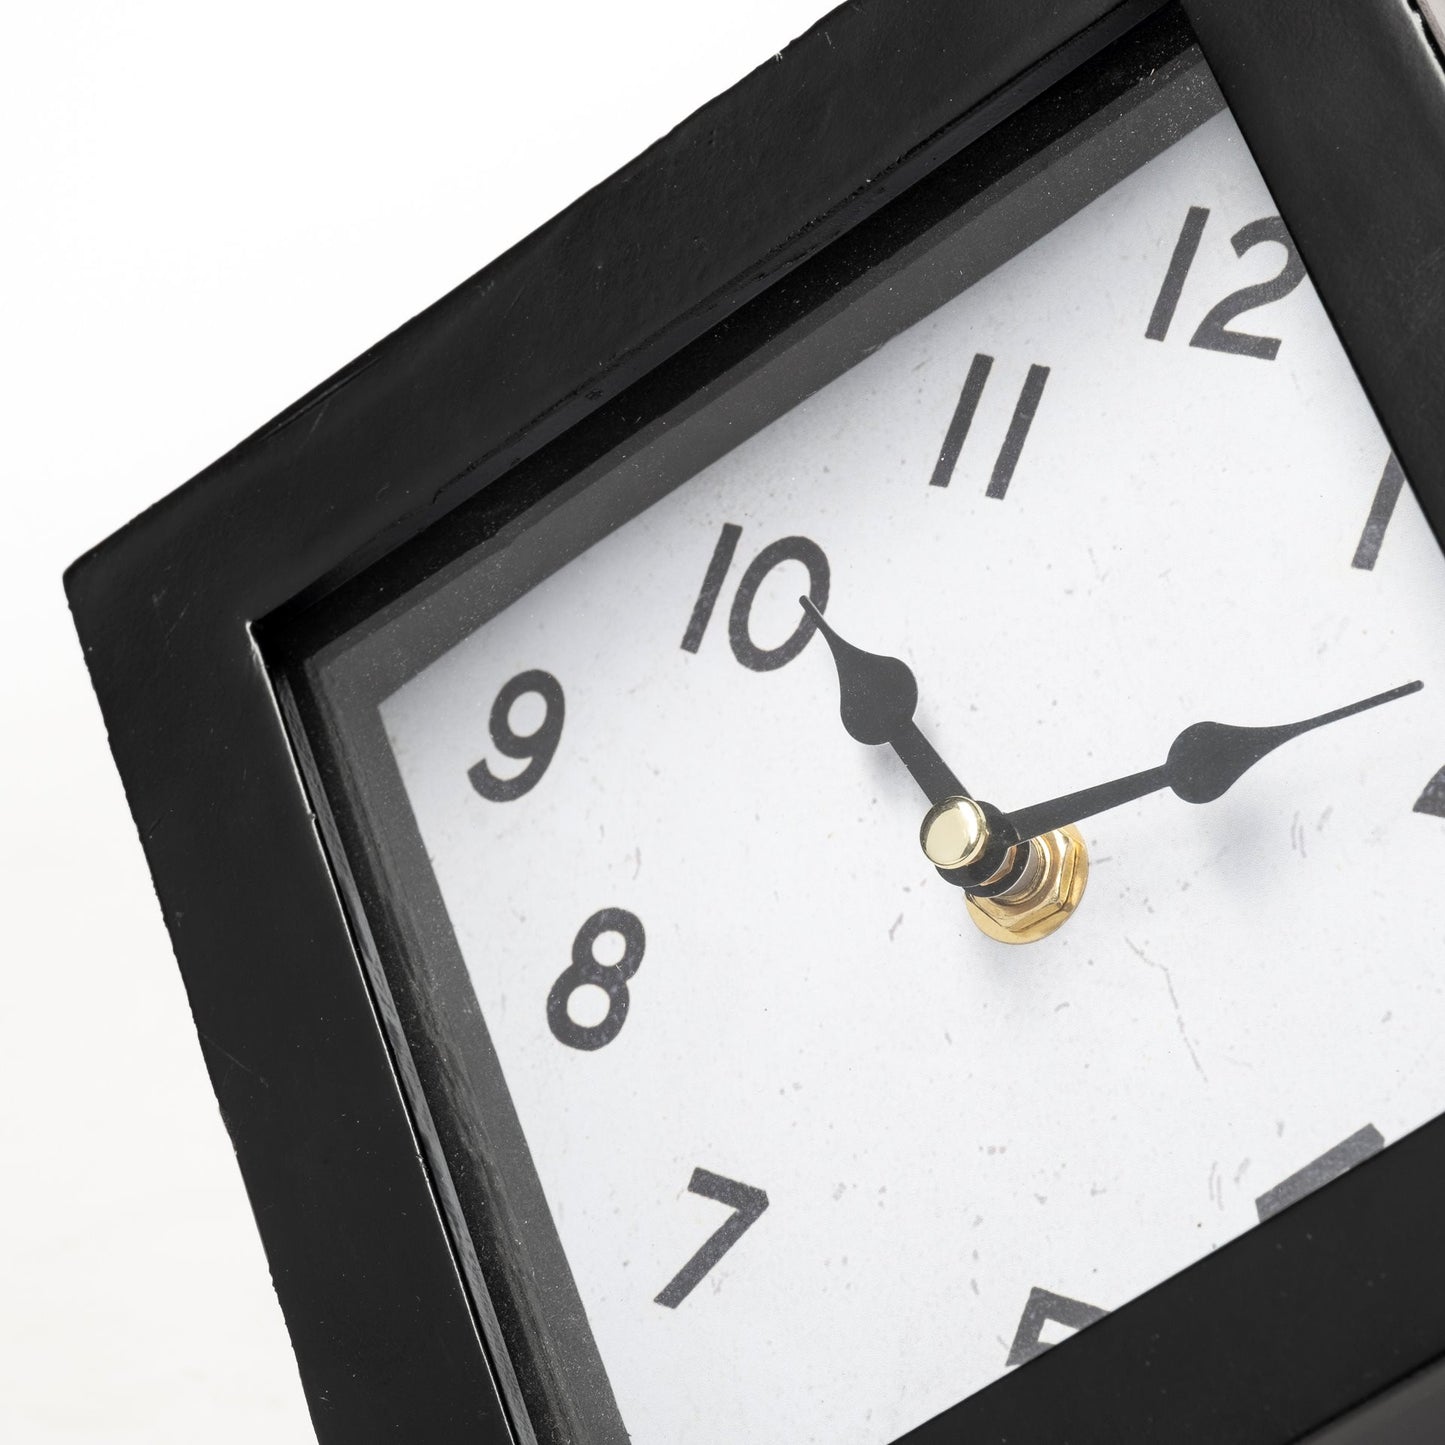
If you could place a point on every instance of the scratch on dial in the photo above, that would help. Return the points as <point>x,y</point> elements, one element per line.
<point>1174,999</point>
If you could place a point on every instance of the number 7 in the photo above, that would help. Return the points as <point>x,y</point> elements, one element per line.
<point>746,1202</point>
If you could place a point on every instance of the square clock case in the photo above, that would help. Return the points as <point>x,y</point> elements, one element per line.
<point>832,775</point>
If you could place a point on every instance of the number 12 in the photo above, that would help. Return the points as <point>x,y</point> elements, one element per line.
<point>1212,334</point>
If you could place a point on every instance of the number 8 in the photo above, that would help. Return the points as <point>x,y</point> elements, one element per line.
<point>610,978</point>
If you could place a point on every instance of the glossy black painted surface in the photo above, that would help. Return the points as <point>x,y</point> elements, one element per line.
<point>1343,104</point>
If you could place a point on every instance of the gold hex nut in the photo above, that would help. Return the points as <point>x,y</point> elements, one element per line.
<point>1047,895</point>
<point>954,833</point>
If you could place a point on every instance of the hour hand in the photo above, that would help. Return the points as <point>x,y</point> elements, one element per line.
<point>877,696</point>
<point>1204,762</point>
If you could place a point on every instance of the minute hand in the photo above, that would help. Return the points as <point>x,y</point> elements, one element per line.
<point>1204,762</point>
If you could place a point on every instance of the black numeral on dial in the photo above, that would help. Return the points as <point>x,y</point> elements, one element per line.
<point>1392,480</point>
<point>1432,800</point>
<point>746,1202</point>
<point>1167,302</point>
<point>611,978</point>
<point>1361,1145</point>
<point>1018,428</point>
<point>1212,334</point>
<point>537,747</point>
<point>1044,1305</point>
<point>747,652</point>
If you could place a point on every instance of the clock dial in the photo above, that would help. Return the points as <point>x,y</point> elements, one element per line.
<point>822,1158</point>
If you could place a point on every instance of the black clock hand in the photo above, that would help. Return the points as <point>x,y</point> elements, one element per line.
<point>1204,762</point>
<point>876,699</point>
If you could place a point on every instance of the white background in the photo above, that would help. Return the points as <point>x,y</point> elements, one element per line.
<point>208,210</point>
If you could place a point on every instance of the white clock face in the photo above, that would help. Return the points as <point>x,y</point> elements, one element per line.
<point>784,1100</point>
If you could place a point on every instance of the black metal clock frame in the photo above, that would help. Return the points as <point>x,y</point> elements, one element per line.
<point>1343,103</point>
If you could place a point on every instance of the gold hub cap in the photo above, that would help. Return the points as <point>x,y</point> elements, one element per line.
<point>1049,887</point>
<point>954,833</point>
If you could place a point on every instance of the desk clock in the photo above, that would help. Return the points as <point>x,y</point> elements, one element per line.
<point>812,810</point>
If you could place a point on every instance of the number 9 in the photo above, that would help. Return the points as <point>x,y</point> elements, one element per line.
<point>538,747</point>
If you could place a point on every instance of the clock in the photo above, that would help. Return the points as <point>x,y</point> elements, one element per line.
<point>833,775</point>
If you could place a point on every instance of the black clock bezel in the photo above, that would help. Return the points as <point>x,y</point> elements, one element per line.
<point>1269,1338</point>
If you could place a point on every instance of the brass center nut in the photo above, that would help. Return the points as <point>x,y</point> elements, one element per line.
<point>1046,895</point>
